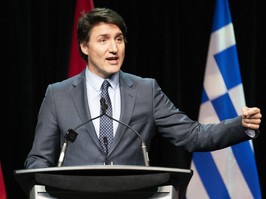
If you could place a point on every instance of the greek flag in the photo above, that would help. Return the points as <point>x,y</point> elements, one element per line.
<point>230,172</point>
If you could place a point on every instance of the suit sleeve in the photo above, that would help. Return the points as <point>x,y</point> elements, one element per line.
<point>177,127</point>
<point>45,149</point>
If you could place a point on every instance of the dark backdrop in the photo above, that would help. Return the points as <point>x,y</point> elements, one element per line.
<point>167,40</point>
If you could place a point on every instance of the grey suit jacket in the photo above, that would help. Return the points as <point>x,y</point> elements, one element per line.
<point>144,107</point>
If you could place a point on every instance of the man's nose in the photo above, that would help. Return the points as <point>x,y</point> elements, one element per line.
<point>113,47</point>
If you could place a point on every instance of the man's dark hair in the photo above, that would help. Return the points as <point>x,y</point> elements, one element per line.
<point>88,20</point>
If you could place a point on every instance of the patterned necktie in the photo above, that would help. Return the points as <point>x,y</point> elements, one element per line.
<point>106,124</point>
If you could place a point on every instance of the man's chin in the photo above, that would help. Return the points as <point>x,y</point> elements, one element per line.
<point>113,69</point>
<point>111,72</point>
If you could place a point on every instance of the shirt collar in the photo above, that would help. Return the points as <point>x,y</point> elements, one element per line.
<point>96,82</point>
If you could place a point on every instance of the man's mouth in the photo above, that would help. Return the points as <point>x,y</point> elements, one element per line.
<point>112,60</point>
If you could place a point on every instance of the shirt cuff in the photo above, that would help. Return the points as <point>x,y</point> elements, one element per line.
<point>251,133</point>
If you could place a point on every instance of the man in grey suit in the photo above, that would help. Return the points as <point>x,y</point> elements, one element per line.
<point>137,102</point>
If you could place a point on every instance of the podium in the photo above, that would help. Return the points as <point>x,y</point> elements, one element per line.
<point>104,181</point>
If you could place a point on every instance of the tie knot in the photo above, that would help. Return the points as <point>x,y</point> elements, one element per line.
<point>105,85</point>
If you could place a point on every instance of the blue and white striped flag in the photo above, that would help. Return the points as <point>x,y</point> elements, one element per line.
<point>230,172</point>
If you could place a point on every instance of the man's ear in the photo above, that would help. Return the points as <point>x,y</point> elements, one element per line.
<point>84,47</point>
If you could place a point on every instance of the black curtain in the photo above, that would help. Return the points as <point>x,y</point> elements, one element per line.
<point>167,40</point>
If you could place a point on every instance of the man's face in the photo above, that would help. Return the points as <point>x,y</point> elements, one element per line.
<point>105,49</point>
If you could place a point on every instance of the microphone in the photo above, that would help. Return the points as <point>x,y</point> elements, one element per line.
<point>106,145</point>
<point>103,105</point>
<point>106,162</point>
<point>143,145</point>
<point>71,136</point>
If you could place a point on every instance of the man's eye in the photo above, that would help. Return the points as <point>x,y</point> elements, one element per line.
<point>102,40</point>
<point>119,39</point>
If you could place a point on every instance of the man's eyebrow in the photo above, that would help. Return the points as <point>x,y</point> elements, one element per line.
<point>107,35</point>
<point>119,34</point>
<point>102,35</point>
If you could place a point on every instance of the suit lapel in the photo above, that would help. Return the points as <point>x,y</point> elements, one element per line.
<point>79,97</point>
<point>128,97</point>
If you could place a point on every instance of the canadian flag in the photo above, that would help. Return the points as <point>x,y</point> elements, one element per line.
<point>76,63</point>
<point>2,185</point>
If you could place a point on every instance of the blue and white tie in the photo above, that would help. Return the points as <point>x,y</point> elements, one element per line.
<point>106,124</point>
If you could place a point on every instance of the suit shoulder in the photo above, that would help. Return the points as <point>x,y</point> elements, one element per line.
<point>67,83</point>
<point>138,79</point>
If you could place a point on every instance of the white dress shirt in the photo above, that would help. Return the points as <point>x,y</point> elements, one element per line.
<point>93,84</point>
